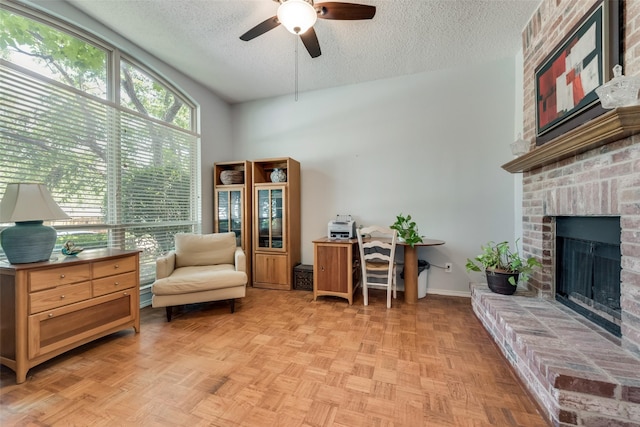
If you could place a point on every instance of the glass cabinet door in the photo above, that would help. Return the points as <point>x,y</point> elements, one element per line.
<point>270,218</point>
<point>230,213</point>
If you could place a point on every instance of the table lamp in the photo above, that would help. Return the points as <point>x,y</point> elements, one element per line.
<point>28,205</point>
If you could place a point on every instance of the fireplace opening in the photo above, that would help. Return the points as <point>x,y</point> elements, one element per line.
<point>588,268</point>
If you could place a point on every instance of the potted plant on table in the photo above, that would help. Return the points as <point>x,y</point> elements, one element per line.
<point>503,266</point>
<point>407,230</point>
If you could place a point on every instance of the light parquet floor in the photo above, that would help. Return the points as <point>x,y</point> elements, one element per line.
<point>281,360</point>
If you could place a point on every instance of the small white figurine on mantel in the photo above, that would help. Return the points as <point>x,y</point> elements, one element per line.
<point>620,91</point>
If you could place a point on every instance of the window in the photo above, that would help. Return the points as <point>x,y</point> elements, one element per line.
<point>123,165</point>
<point>141,92</point>
<point>50,52</point>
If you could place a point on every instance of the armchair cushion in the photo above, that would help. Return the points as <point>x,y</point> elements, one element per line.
<point>186,280</point>
<point>204,249</point>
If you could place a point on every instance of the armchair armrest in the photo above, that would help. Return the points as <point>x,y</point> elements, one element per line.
<point>240,259</point>
<point>165,265</point>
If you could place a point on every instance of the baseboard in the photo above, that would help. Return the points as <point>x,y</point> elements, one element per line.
<point>450,293</point>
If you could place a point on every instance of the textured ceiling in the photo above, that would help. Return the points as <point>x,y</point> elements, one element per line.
<point>201,39</point>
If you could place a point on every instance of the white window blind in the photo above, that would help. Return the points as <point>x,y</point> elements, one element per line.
<point>126,180</point>
<point>123,166</point>
<point>54,135</point>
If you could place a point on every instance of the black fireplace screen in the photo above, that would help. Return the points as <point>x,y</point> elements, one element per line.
<point>588,268</point>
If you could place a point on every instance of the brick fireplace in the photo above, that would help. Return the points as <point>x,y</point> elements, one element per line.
<point>579,374</point>
<point>603,181</point>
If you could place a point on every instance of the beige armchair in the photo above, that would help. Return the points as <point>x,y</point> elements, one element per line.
<point>202,268</point>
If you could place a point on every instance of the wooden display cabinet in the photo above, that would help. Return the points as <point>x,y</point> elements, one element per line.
<point>47,308</point>
<point>232,206</point>
<point>276,223</point>
<point>336,270</point>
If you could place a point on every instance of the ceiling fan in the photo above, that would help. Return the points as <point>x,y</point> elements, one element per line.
<point>299,16</point>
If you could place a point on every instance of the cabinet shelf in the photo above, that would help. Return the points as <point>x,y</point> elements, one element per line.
<point>263,168</point>
<point>240,166</point>
<point>608,127</point>
<point>276,226</point>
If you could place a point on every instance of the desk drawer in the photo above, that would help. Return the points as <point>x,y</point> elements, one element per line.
<point>54,277</point>
<point>115,283</point>
<point>114,266</point>
<point>59,297</point>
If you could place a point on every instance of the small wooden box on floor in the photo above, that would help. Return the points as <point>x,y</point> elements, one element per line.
<point>303,277</point>
<point>50,307</point>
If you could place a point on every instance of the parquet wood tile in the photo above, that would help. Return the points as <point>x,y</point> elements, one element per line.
<point>281,359</point>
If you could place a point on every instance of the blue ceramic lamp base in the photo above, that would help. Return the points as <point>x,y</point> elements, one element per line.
<point>28,241</point>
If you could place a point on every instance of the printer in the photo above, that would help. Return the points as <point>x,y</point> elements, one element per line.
<point>343,227</point>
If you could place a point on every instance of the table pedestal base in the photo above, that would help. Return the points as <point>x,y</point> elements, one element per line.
<point>410,275</point>
<point>411,268</point>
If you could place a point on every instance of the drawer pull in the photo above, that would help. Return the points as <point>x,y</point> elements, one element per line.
<point>126,294</point>
<point>61,296</point>
<point>50,315</point>
<point>116,284</point>
<point>116,266</point>
<point>62,276</point>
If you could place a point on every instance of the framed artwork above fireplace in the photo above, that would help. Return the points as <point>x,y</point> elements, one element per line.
<point>567,78</point>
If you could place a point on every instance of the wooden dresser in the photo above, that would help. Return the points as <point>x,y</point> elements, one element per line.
<point>47,308</point>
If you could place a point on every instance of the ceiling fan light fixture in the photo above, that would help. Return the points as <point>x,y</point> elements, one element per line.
<point>297,16</point>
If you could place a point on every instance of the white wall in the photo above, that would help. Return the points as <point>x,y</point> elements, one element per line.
<point>214,113</point>
<point>518,126</point>
<point>430,145</point>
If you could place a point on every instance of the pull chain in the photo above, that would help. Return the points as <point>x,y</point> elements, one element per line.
<point>296,69</point>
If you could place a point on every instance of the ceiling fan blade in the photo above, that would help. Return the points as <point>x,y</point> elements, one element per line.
<point>260,29</point>
<point>310,41</point>
<point>338,10</point>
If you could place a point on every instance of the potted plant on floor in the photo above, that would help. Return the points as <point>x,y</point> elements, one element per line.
<point>503,266</point>
<point>407,230</point>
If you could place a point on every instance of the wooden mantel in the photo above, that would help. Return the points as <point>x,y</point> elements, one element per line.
<point>611,126</point>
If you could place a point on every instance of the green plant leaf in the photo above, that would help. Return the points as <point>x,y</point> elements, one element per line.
<point>407,229</point>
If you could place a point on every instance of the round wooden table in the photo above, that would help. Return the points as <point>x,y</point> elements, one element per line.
<point>411,268</point>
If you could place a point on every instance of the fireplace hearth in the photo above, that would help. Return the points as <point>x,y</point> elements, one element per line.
<point>588,268</point>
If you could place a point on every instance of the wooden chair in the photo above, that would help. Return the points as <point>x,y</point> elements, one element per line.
<point>377,251</point>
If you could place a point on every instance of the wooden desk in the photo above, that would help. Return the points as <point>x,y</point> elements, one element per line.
<point>411,268</point>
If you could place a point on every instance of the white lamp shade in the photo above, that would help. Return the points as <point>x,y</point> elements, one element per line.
<point>29,202</point>
<point>297,16</point>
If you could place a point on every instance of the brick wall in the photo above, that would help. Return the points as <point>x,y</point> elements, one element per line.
<point>603,181</point>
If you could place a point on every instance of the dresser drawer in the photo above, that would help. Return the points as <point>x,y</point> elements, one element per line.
<point>58,297</point>
<point>54,277</point>
<point>114,266</point>
<point>115,283</point>
<point>54,330</point>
